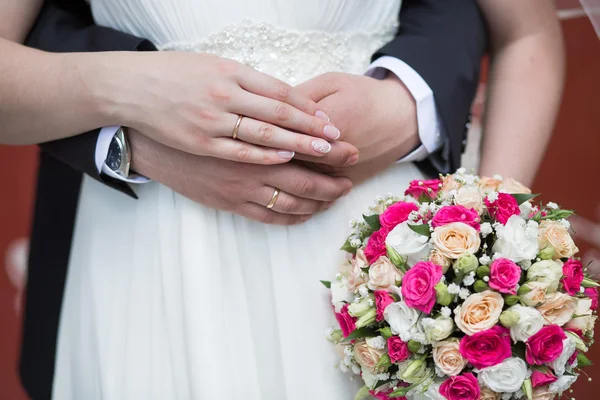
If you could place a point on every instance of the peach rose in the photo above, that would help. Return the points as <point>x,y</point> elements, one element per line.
<point>536,294</point>
<point>357,276</point>
<point>554,235</point>
<point>543,393</point>
<point>455,239</point>
<point>447,357</point>
<point>488,184</point>
<point>558,308</point>
<point>437,258</point>
<point>513,186</point>
<point>383,274</point>
<point>367,356</point>
<point>479,312</point>
<point>470,197</point>
<point>449,184</point>
<point>583,320</point>
<point>488,394</point>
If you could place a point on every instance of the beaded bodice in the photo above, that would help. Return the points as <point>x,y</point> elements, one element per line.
<point>293,40</point>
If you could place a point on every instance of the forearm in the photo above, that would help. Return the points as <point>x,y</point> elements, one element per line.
<point>525,89</point>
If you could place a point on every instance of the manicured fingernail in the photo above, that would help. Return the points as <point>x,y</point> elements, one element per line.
<point>321,146</point>
<point>321,115</point>
<point>346,191</point>
<point>331,132</point>
<point>286,155</point>
<point>305,218</point>
<point>353,159</point>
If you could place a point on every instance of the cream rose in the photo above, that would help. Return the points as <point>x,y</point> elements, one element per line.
<point>488,184</point>
<point>438,259</point>
<point>479,312</point>
<point>455,239</point>
<point>543,393</point>
<point>383,274</point>
<point>367,356</point>
<point>536,293</point>
<point>516,241</point>
<point>513,186</point>
<point>546,271</point>
<point>555,235</point>
<point>449,184</point>
<point>447,357</point>
<point>470,197</point>
<point>488,394</point>
<point>558,308</point>
<point>411,245</point>
<point>357,276</point>
<point>583,320</point>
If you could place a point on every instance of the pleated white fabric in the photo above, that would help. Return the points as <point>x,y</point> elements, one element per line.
<point>167,299</point>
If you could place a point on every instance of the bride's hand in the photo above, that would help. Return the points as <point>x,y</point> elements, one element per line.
<point>192,102</point>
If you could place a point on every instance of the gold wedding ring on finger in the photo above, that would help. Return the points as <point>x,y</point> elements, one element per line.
<point>237,127</point>
<point>273,199</point>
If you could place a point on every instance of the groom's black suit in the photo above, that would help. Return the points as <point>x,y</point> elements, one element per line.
<point>443,40</point>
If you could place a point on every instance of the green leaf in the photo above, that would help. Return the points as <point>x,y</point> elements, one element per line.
<point>422,229</point>
<point>348,247</point>
<point>363,394</point>
<point>361,333</point>
<point>588,283</point>
<point>522,197</point>
<point>327,284</point>
<point>583,361</point>
<point>373,221</point>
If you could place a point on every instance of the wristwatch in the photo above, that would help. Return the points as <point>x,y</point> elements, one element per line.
<point>118,159</point>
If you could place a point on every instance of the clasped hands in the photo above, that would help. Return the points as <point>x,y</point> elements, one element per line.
<point>323,135</point>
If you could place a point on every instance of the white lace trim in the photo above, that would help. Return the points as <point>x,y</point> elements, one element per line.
<point>289,55</point>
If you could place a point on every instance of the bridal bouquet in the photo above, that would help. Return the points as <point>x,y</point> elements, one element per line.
<point>463,289</point>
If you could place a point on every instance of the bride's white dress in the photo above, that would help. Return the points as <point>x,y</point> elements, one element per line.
<point>167,299</point>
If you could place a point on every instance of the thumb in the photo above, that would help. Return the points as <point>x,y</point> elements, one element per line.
<point>319,87</point>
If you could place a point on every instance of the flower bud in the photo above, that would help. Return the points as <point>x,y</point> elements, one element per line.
<point>546,253</point>
<point>396,258</point>
<point>480,286</point>
<point>509,318</point>
<point>386,332</point>
<point>587,283</point>
<point>465,264</point>
<point>367,319</point>
<point>527,388</point>
<point>443,297</point>
<point>359,309</point>
<point>579,343</point>
<point>511,300</point>
<point>336,336</point>
<point>384,362</point>
<point>414,346</point>
<point>415,371</point>
<point>524,289</point>
<point>483,271</point>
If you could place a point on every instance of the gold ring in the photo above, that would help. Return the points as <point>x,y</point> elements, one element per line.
<point>273,199</point>
<point>237,126</point>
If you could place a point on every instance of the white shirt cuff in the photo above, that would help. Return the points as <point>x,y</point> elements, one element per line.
<point>102,145</point>
<point>427,117</point>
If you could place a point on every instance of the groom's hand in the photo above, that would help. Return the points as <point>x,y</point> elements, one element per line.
<point>244,189</point>
<point>377,116</point>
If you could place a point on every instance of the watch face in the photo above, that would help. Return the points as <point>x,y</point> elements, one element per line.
<point>113,159</point>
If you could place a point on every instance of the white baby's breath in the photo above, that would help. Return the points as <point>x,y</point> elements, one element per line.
<point>486,229</point>
<point>446,312</point>
<point>552,205</point>
<point>485,259</point>
<point>464,293</point>
<point>492,196</point>
<point>453,288</point>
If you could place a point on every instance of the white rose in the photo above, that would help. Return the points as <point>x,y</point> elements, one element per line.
<point>369,378</point>
<point>340,295</point>
<point>546,271</point>
<point>526,208</point>
<point>514,243</point>
<point>583,320</point>
<point>408,243</point>
<point>470,197</point>
<point>562,383</point>
<point>559,365</point>
<point>439,329</point>
<point>433,392</point>
<point>404,322</point>
<point>508,376</point>
<point>530,322</point>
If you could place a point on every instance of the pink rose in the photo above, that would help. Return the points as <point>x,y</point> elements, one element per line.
<point>396,214</point>
<point>487,348</point>
<point>429,188</point>
<point>382,300</point>
<point>418,285</point>
<point>545,346</point>
<point>504,276</point>
<point>384,395</point>
<point>573,276</point>
<point>449,214</point>
<point>397,349</point>
<point>592,293</point>
<point>347,322</point>
<point>503,208</point>
<point>376,245</point>
<point>571,360</point>
<point>539,378</point>
<point>461,387</point>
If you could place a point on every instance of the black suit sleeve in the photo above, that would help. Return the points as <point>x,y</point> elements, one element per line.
<point>444,41</point>
<point>67,26</point>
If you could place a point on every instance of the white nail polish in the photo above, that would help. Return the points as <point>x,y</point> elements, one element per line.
<point>286,155</point>
<point>322,116</point>
<point>321,146</point>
